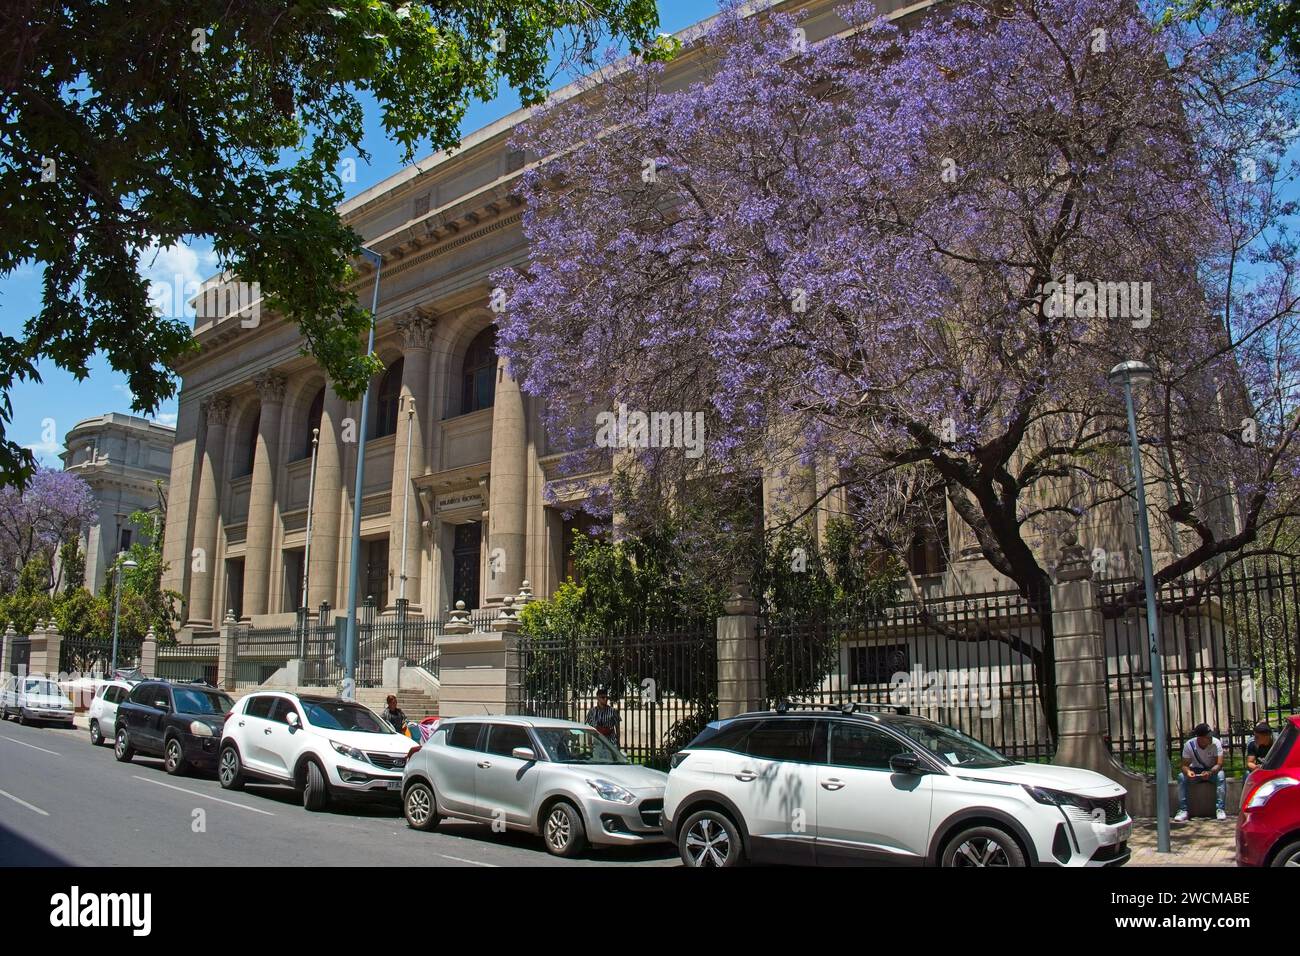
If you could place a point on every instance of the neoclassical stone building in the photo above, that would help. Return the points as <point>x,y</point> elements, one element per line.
<point>122,457</point>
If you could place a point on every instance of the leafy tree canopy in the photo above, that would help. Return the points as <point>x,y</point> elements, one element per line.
<point>129,124</point>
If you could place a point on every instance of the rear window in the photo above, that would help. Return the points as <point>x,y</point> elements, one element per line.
<point>464,736</point>
<point>791,739</point>
<point>724,735</point>
<point>259,707</point>
<point>1277,754</point>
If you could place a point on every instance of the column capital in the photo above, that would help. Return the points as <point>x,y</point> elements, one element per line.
<point>270,386</point>
<point>217,409</point>
<point>416,328</point>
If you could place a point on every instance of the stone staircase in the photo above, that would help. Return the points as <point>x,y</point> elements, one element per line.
<point>416,704</point>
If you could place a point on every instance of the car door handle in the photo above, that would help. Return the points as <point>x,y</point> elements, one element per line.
<point>484,764</point>
<point>832,783</point>
<point>267,731</point>
<point>746,775</point>
<point>241,723</point>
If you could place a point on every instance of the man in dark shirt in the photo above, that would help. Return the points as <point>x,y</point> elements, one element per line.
<point>1258,748</point>
<point>394,715</point>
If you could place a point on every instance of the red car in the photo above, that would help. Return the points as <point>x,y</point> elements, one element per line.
<point>1268,827</point>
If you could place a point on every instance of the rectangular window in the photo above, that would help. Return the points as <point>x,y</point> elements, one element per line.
<point>786,738</point>
<point>504,738</point>
<point>877,663</point>
<point>464,736</point>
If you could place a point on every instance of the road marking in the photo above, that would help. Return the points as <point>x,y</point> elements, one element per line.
<point>461,859</point>
<point>24,743</point>
<point>29,806</point>
<point>205,796</point>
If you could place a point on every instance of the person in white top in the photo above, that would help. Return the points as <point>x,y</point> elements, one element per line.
<point>1203,763</point>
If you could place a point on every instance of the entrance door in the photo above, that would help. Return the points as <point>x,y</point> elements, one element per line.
<point>466,555</point>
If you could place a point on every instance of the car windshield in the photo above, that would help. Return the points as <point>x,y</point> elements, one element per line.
<point>1277,753</point>
<point>578,745</point>
<point>44,687</point>
<point>341,715</point>
<point>190,700</point>
<point>951,746</point>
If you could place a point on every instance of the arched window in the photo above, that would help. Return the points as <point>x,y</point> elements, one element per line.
<point>248,450</point>
<point>479,372</point>
<point>388,400</point>
<point>313,421</point>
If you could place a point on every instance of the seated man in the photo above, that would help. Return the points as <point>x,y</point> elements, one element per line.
<point>1203,763</point>
<point>1258,748</point>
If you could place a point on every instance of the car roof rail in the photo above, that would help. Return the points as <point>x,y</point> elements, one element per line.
<point>844,707</point>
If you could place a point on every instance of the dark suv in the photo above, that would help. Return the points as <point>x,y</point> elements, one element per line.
<point>178,721</point>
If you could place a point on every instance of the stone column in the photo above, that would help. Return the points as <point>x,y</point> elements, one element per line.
<point>149,654</point>
<point>261,496</point>
<point>507,490</point>
<point>417,328</point>
<point>206,512</point>
<point>227,653</point>
<point>327,509</point>
<point>740,656</point>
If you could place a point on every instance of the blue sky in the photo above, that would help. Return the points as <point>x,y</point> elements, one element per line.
<point>45,411</point>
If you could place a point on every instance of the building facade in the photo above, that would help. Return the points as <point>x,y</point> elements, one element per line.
<point>122,458</point>
<point>462,499</point>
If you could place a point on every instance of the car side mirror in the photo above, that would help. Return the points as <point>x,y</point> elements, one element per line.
<point>160,704</point>
<point>292,721</point>
<point>523,753</point>
<point>905,763</point>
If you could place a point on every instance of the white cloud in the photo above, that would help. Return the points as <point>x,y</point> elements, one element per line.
<point>166,418</point>
<point>175,273</point>
<point>47,453</point>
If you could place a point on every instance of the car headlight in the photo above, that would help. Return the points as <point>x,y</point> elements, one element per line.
<point>1057,798</point>
<point>199,729</point>
<point>1267,789</point>
<point>611,791</point>
<point>349,751</point>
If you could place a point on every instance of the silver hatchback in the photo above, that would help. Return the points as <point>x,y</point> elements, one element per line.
<point>556,778</point>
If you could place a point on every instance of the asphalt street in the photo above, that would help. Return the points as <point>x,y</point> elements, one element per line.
<point>66,802</point>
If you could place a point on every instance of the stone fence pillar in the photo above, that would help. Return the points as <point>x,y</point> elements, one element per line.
<point>7,650</point>
<point>227,652</point>
<point>1081,705</point>
<point>46,645</point>
<point>478,670</point>
<point>149,654</point>
<point>740,656</point>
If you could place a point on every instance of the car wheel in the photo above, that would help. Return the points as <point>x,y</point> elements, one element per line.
<point>983,846</point>
<point>709,838</point>
<point>96,735</point>
<point>22,717</point>
<point>315,792</point>
<point>1289,855</point>
<point>420,807</point>
<point>122,748</point>
<point>174,761</point>
<point>230,771</point>
<point>563,832</point>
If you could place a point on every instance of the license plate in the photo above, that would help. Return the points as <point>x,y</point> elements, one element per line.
<point>1120,834</point>
<point>393,785</point>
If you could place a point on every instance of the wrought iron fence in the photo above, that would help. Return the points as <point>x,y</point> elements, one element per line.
<point>974,662</point>
<point>1229,645</point>
<point>187,662</point>
<point>94,655</point>
<point>662,682</point>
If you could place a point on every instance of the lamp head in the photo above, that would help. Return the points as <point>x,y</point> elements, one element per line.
<point>1135,373</point>
<point>374,258</point>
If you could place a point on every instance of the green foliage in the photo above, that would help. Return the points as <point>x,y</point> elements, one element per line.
<point>1278,20</point>
<point>132,125</point>
<point>72,565</point>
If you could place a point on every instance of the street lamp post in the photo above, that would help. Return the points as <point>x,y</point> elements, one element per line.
<point>1129,373</point>
<point>354,563</point>
<point>306,549</point>
<point>406,502</point>
<point>123,564</point>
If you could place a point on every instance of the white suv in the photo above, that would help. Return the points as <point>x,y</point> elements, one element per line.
<point>34,698</point>
<point>847,785</point>
<point>323,747</point>
<point>103,709</point>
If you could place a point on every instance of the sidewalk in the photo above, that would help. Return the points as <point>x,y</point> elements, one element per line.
<point>1198,842</point>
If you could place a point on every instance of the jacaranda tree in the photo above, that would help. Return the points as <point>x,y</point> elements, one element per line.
<point>911,256</point>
